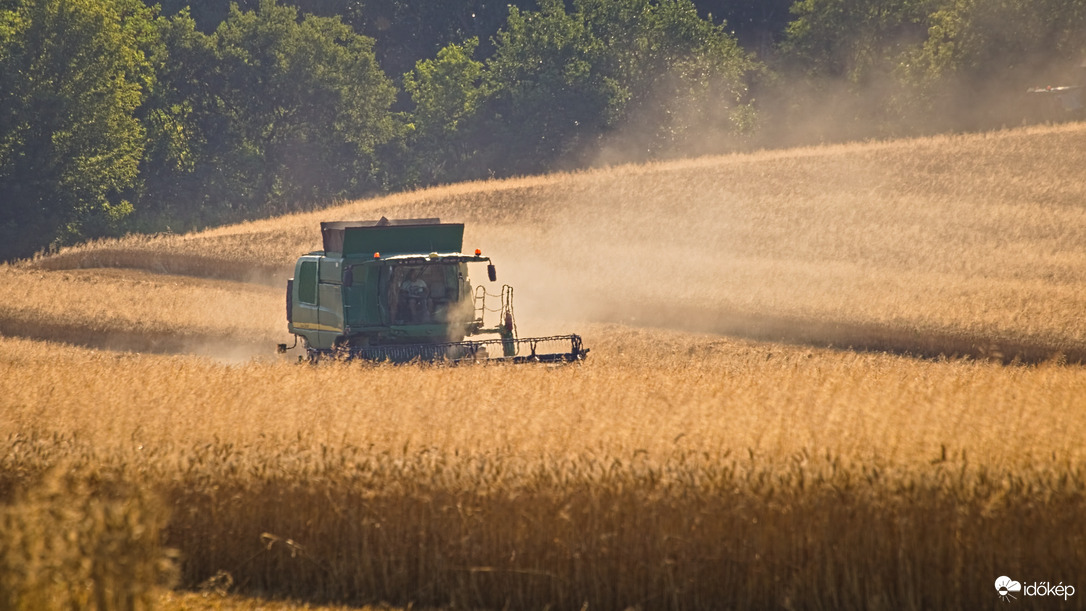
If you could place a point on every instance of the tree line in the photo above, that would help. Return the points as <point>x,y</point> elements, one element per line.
<point>119,115</point>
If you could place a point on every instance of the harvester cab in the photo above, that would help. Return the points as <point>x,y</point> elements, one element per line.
<point>399,290</point>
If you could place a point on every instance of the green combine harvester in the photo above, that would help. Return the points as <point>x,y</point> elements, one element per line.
<point>399,291</point>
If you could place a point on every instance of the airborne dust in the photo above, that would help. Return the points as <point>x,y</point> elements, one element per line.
<point>950,245</point>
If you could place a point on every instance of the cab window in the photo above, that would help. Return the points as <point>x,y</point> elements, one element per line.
<point>307,282</point>
<point>423,293</point>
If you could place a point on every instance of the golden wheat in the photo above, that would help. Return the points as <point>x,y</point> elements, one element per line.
<point>671,469</point>
<point>211,599</point>
<point>649,392</point>
<point>678,471</point>
<point>81,538</point>
<point>134,310</point>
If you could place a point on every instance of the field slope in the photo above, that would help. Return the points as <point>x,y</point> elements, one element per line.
<point>836,377</point>
<point>955,245</point>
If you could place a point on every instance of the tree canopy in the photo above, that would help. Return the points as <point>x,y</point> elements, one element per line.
<point>130,115</point>
<point>268,112</point>
<point>74,73</point>
<point>627,79</point>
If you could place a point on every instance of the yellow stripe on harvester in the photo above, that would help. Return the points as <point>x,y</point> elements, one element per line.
<point>312,326</point>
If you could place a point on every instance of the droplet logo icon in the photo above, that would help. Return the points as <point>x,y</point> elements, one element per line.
<point>1005,586</point>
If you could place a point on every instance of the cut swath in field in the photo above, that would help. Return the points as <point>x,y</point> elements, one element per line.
<point>132,310</point>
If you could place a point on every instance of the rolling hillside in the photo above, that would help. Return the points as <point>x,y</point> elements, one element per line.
<point>772,415</point>
<point>965,245</point>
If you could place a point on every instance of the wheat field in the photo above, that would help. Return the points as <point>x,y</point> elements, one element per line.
<point>835,377</point>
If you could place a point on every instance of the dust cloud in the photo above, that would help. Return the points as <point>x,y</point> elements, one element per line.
<point>875,245</point>
<point>890,98</point>
<point>235,353</point>
<point>642,261</point>
<point>905,246</point>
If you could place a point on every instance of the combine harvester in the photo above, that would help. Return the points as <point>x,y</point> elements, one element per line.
<point>399,291</point>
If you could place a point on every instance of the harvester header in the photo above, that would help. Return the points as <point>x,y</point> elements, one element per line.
<point>399,290</point>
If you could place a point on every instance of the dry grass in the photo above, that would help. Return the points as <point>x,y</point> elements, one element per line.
<point>675,471</point>
<point>651,392</point>
<point>214,601</point>
<point>79,538</point>
<point>672,469</point>
<point>133,310</point>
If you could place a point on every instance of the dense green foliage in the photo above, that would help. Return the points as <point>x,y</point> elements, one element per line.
<point>118,116</point>
<point>268,112</point>
<point>889,67</point>
<point>630,80</point>
<point>73,74</point>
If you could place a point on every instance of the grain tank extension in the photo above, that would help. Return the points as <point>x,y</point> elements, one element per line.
<point>398,290</point>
